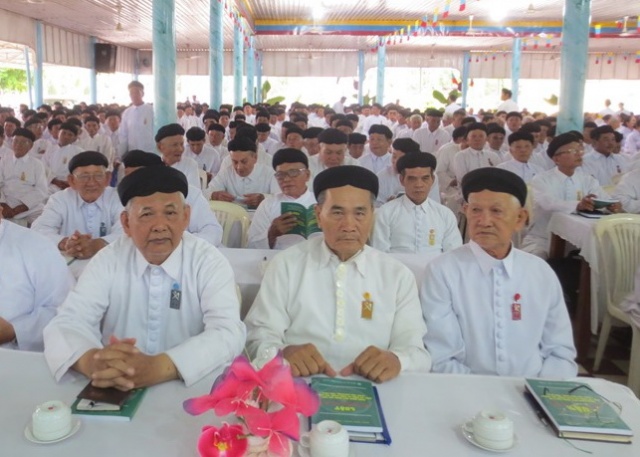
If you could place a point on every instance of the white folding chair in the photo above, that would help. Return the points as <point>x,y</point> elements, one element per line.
<point>232,217</point>
<point>618,241</point>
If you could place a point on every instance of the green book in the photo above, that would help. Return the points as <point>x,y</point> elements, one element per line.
<point>306,221</point>
<point>102,410</point>
<point>350,402</point>
<point>576,411</point>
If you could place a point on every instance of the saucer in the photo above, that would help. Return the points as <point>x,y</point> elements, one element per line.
<point>28,433</point>
<point>304,452</point>
<point>468,434</point>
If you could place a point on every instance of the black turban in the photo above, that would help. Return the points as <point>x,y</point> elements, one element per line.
<point>406,145</point>
<point>24,133</point>
<point>416,160</point>
<point>242,144</point>
<point>345,175</point>
<point>137,158</point>
<point>289,155</point>
<point>559,141</point>
<point>149,180</point>
<point>86,158</point>
<point>495,180</point>
<point>357,138</point>
<point>333,136</point>
<point>169,130</point>
<point>433,112</point>
<point>520,135</point>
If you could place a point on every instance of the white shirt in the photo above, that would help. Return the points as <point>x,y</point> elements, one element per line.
<point>263,158</point>
<point>309,296</point>
<point>34,280</point>
<point>444,167</point>
<point>373,120</point>
<point>375,163</point>
<point>41,147</point>
<point>555,191</point>
<point>136,129</point>
<point>508,106</point>
<point>57,160</point>
<point>5,151</point>
<point>208,160</point>
<point>526,170</point>
<point>632,144</point>
<point>115,141</point>
<point>259,181</point>
<point>468,303</point>
<point>469,159</point>
<point>452,108</point>
<point>23,181</point>
<point>271,146</point>
<point>203,222</point>
<point>604,168</point>
<point>389,186</point>
<point>628,192</point>
<point>267,211</point>
<point>66,212</point>
<point>190,121</point>
<point>189,167</point>
<point>100,143</point>
<point>338,107</point>
<point>315,166</point>
<point>403,226</point>
<point>121,294</point>
<point>431,141</point>
<point>402,131</point>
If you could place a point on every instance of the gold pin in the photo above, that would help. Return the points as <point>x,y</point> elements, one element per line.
<point>23,177</point>
<point>367,307</point>
<point>432,237</point>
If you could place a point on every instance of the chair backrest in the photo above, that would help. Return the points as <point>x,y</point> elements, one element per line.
<point>203,179</point>
<point>230,216</point>
<point>618,242</point>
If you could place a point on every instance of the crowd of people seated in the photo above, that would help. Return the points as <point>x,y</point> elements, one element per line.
<point>157,301</point>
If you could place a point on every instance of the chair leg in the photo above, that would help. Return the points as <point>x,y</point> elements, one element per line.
<point>602,341</point>
<point>634,362</point>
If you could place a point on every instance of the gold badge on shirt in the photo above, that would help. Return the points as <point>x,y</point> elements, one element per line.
<point>23,177</point>
<point>432,237</point>
<point>579,195</point>
<point>366,311</point>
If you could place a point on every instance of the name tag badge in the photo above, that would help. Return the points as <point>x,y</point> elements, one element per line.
<point>103,229</point>
<point>366,311</point>
<point>516,308</point>
<point>176,297</point>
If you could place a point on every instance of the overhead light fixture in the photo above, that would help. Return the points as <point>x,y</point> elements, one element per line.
<point>531,9</point>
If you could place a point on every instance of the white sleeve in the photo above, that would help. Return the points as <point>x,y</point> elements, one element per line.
<point>258,230</point>
<point>49,223</point>
<point>204,223</point>
<point>627,193</point>
<point>381,237</point>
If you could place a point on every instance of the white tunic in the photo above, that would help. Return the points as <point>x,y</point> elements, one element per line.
<point>259,181</point>
<point>41,147</point>
<point>315,166</point>
<point>555,191</point>
<point>267,211</point>
<point>526,170</point>
<point>604,168</point>
<point>66,212</point>
<point>628,192</point>
<point>100,143</point>
<point>431,141</point>
<point>469,159</point>
<point>632,143</point>
<point>468,303</point>
<point>57,160</point>
<point>203,222</point>
<point>309,296</point>
<point>403,226</point>
<point>271,146</point>
<point>389,186</point>
<point>23,181</point>
<point>263,158</point>
<point>136,129</point>
<point>34,281</point>
<point>375,163</point>
<point>208,160</point>
<point>121,294</point>
<point>189,168</point>
<point>373,120</point>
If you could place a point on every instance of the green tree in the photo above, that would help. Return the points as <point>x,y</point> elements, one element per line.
<point>13,80</point>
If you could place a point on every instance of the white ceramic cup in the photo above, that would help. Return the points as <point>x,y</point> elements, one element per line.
<point>493,429</point>
<point>51,421</point>
<point>326,439</point>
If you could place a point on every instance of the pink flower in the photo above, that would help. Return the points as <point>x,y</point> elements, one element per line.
<point>278,427</point>
<point>227,441</point>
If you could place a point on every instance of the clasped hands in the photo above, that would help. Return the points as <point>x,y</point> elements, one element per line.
<point>123,366</point>
<point>80,245</point>
<point>251,200</point>
<point>373,363</point>
<point>586,204</point>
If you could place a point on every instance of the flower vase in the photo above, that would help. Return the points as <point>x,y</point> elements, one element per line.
<point>259,447</point>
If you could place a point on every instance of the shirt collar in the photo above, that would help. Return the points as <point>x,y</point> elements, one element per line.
<point>171,266</point>
<point>409,205</point>
<point>80,203</point>
<point>328,258</point>
<point>488,263</point>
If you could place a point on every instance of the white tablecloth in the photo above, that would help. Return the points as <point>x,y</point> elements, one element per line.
<point>423,412</point>
<point>579,231</point>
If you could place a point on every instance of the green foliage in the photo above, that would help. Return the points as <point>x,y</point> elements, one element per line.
<point>439,96</point>
<point>266,87</point>
<point>553,100</point>
<point>13,80</point>
<point>275,100</point>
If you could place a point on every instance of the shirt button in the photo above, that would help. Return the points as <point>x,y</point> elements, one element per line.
<point>340,293</point>
<point>499,324</point>
<point>501,358</point>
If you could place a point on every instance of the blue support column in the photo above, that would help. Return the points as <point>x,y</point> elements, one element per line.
<point>93,74</point>
<point>516,58</point>
<point>238,49</point>
<point>259,78</point>
<point>38,72</point>
<point>251,81</point>
<point>360,77</point>
<point>573,64</point>
<point>164,62</point>
<point>136,66</point>
<point>27,59</point>
<point>216,52</point>
<point>382,52</point>
<point>466,68</point>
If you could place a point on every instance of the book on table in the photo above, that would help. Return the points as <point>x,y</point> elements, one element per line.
<point>576,411</point>
<point>108,403</point>
<point>354,404</point>
<point>306,221</point>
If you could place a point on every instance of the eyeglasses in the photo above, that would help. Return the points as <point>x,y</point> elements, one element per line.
<point>573,151</point>
<point>293,173</point>
<point>85,178</point>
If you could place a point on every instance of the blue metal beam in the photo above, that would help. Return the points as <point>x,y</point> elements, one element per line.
<point>216,52</point>
<point>39,84</point>
<point>466,56</point>
<point>516,59</point>
<point>27,59</point>
<point>382,52</point>
<point>93,74</point>
<point>164,62</point>
<point>251,81</point>
<point>361,74</point>
<point>238,50</point>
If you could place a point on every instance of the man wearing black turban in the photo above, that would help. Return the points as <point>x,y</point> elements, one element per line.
<point>490,308</point>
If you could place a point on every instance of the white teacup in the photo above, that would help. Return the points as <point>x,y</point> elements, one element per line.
<point>326,439</point>
<point>493,430</point>
<point>51,421</point>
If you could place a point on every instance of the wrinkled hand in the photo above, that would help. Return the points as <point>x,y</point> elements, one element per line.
<point>222,196</point>
<point>306,360</point>
<point>615,207</point>
<point>586,204</point>
<point>253,200</point>
<point>108,367</point>
<point>80,246</point>
<point>7,211</point>
<point>280,226</point>
<point>374,364</point>
<point>60,183</point>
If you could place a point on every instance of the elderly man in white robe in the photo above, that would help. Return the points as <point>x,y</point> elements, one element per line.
<point>157,305</point>
<point>492,309</point>
<point>334,305</point>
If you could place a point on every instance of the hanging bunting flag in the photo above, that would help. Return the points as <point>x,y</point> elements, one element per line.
<point>445,13</point>
<point>548,44</point>
<point>637,56</point>
<point>463,5</point>
<point>598,30</point>
<point>638,24</point>
<point>435,17</point>
<point>619,24</point>
<point>597,59</point>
